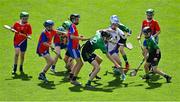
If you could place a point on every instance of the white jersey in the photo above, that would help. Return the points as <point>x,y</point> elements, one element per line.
<point>116,34</point>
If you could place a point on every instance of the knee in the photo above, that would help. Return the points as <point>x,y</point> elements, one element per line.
<point>68,59</point>
<point>57,55</point>
<point>51,61</point>
<point>145,65</point>
<point>100,61</point>
<point>154,70</point>
<point>121,49</point>
<point>22,55</point>
<point>97,68</point>
<point>16,54</point>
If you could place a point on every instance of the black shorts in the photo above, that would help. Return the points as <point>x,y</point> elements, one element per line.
<point>67,53</point>
<point>87,53</point>
<point>22,46</point>
<point>151,59</point>
<point>122,41</point>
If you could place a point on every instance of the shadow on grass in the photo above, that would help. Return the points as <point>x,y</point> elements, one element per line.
<point>153,85</point>
<point>22,76</point>
<point>107,72</point>
<point>155,77</point>
<point>116,83</point>
<point>47,85</point>
<point>81,88</point>
<point>62,73</point>
<point>139,85</point>
<point>100,89</point>
<point>65,76</point>
<point>96,83</point>
<point>152,82</point>
<point>76,88</point>
<point>103,89</point>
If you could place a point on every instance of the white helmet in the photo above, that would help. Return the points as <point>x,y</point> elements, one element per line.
<point>114,19</point>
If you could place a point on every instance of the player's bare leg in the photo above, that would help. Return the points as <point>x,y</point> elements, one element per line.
<point>22,55</point>
<point>117,59</point>
<point>75,71</point>
<point>57,49</point>
<point>71,66</point>
<point>146,69</point>
<point>96,67</point>
<point>66,60</point>
<point>68,63</point>
<point>124,57</point>
<point>99,61</point>
<point>78,66</point>
<point>49,62</point>
<point>16,55</point>
<point>156,70</point>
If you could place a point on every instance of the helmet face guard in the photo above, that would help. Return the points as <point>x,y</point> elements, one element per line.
<point>114,19</point>
<point>150,12</point>
<point>73,18</point>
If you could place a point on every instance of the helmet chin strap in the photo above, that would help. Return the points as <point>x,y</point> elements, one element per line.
<point>21,22</point>
<point>149,19</point>
<point>47,29</point>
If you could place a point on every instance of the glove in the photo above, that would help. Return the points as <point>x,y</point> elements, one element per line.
<point>29,37</point>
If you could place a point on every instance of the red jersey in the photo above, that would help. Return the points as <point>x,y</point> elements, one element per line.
<point>60,39</point>
<point>73,43</point>
<point>57,39</point>
<point>46,36</point>
<point>23,29</point>
<point>153,24</point>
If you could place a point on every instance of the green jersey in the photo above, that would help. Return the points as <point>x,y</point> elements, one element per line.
<point>98,43</point>
<point>151,45</point>
<point>124,28</point>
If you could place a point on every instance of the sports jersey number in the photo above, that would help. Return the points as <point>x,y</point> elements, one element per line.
<point>93,41</point>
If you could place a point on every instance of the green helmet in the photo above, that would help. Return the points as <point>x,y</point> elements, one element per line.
<point>66,24</point>
<point>62,29</point>
<point>149,12</point>
<point>24,14</point>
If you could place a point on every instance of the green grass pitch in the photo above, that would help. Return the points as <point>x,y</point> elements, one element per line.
<point>94,15</point>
